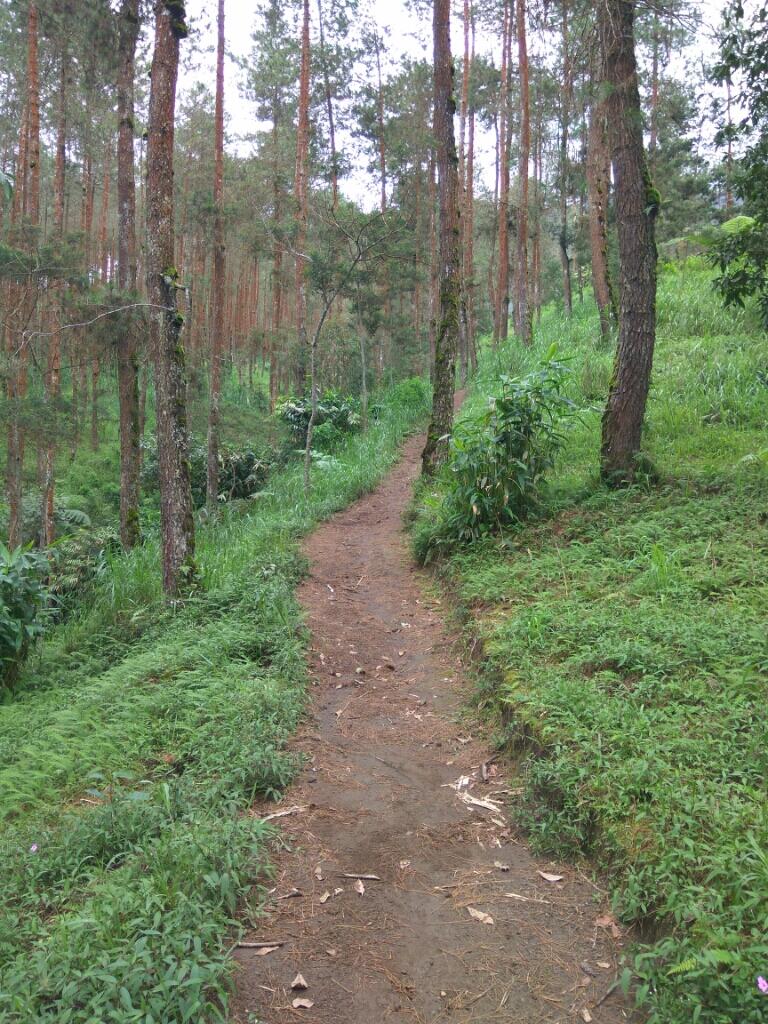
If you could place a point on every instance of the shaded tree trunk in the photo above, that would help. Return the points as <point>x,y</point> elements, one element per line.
<point>447,334</point>
<point>301,195</point>
<point>636,209</point>
<point>218,277</point>
<point>53,369</point>
<point>176,513</point>
<point>127,353</point>
<point>565,113</point>
<point>522,313</point>
<point>501,318</point>
<point>598,184</point>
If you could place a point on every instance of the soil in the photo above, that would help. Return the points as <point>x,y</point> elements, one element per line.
<point>459,926</point>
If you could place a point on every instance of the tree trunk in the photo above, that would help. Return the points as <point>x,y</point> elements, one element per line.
<point>53,368</point>
<point>565,114</point>
<point>637,205</point>
<point>302,212</point>
<point>468,275</point>
<point>217,279</point>
<point>176,514</point>
<point>501,318</point>
<point>329,109</point>
<point>447,334</point>
<point>127,354</point>
<point>598,183</point>
<point>22,306</point>
<point>522,313</point>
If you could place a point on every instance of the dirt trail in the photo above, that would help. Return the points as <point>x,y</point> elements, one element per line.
<point>385,743</point>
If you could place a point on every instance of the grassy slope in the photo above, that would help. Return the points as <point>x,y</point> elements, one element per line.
<point>626,645</point>
<point>169,723</point>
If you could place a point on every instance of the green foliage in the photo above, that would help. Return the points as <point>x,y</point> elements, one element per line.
<point>23,599</point>
<point>136,741</point>
<point>243,472</point>
<point>625,654</point>
<point>342,413</point>
<point>741,256</point>
<point>497,460</point>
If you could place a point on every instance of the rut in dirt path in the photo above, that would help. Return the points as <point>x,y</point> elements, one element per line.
<point>391,777</point>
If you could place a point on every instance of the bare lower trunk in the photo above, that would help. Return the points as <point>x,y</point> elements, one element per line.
<point>522,313</point>
<point>598,184</point>
<point>636,208</point>
<point>127,355</point>
<point>176,515</point>
<point>447,334</point>
<point>218,278</point>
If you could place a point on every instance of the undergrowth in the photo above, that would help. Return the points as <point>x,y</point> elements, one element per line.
<point>138,736</point>
<point>626,650</point>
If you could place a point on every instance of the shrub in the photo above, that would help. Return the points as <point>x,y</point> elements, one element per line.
<point>242,471</point>
<point>77,562</point>
<point>23,598</point>
<point>497,460</point>
<point>342,413</point>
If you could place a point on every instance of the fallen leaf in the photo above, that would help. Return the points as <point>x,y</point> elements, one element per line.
<point>302,1004</point>
<point>404,865</point>
<point>400,654</point>
<point>480,916</point>
<point>586,1016</point>
<point>338,892</point>
<point>265,950</point>
<point>331,952</point>
<point>604,964</point>
<point>325,897</point>
<point>548,877</point>
<point>609,921</point>
<point>299,982</point>
<point>359,887</point>
<point>319,873</point>
<point>500,866</point>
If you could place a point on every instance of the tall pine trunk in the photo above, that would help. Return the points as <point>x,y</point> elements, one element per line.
<point>218,277</point>
<point>565,113</point>
<point>301,195</point>
<point>176,513</point>
<point>522,312</point>
<point>637,205</point>
<point>598,175</point>
<point>447,333</point>
<point>127,353</point>
<point>501,317</point>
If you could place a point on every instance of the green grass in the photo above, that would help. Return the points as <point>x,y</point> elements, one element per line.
<point>626,652</point>
<point>139,736</point>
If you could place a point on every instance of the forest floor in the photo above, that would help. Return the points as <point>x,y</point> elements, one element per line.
<point>459,924</point>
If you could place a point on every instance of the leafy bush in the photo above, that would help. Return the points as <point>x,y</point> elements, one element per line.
<point>341,413</point>
<point>242,471</point>
<point>497,460</point>
<point>23,598</point>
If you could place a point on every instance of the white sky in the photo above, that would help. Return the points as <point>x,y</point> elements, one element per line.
<point>405,34</point>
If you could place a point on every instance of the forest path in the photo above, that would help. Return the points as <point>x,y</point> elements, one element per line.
<point>385,743</point>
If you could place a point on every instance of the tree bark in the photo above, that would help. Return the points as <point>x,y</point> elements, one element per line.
<point>447,334</point>
<point>302,211</point>
<point>176,513</point>
<point>522,313</point>
<point>127,351</point>
<point>637,204</point>
<point>598,175</point>
<point>501,319</point>
<point>53,369</point>
<point>218,278</point>
<point>565,113</point>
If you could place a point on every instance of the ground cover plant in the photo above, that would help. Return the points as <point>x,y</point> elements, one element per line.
<point>138,736</point>
<point>625,649</point>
